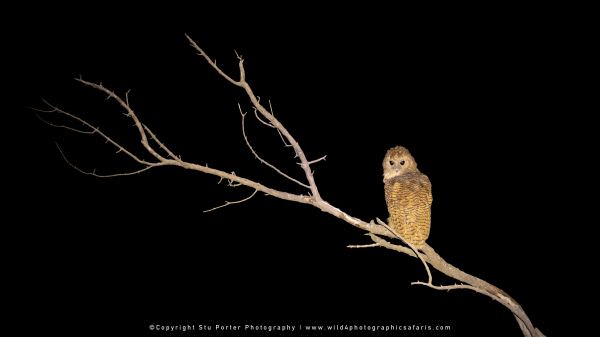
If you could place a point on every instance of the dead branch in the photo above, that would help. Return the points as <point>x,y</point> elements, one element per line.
<point>256,154</point>
<point>266,114</point>
<point>227,203</point>
<point>376,232</point>
<point>411,246</point>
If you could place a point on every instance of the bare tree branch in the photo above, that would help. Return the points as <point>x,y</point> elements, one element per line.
<point>93,173</point>
<point>427,255</point>
<point>260,119</point>
<point>283,139</point>
<point>265,113</point>
<point>400,249</point>
<point>411,246</point>
<point>471,282</point>
<point>370,245</point>
<point>62,126</point>
<point>214,63</point>
<point>125,105</point>
<point>162,146</point>
<point>95,130</point>
<point>318,160</point>
<point>227,203</point>
<point>258,157</point>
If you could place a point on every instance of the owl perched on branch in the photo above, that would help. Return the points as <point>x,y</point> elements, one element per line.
<point>408,196</point>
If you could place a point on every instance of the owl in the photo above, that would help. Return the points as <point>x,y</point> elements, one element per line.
<point>407,195</point>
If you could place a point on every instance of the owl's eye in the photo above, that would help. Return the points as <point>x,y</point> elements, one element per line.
<point>392,162</point>
<point>402,162</point>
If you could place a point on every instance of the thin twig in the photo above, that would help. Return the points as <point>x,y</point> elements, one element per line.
<point>271,108</point>
<point>93,173</point>
<point>162,146</point>
<point>265,113</point>
<point>260,119</point>
<point>259,158</point>
<point>317,160</point>
<point>386,244</point>
<point>97,130</point>
<point>212,63</point>
<point>130,112</point>
<point>227,203</point>
<point>448,287</point>
<point>370,245</point>
<point>410,245</point>
<point>63,126</point>
<point>285,143</point>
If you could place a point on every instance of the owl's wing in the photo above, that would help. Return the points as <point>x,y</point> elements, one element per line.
<point>426,186</point>
<point>409,204</point>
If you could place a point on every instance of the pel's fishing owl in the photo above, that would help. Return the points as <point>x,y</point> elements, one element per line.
<point>408,196</point>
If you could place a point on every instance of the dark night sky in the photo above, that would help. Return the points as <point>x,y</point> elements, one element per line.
<point>485,103</point>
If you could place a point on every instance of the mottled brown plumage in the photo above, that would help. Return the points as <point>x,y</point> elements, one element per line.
<point>408,196</point>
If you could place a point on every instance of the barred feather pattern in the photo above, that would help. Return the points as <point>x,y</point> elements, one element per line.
<point>409,199</point>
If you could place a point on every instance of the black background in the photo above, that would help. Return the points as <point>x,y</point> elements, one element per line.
<point>485,100</point>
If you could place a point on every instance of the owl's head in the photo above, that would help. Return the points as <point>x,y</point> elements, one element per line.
<point>397,162</point>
